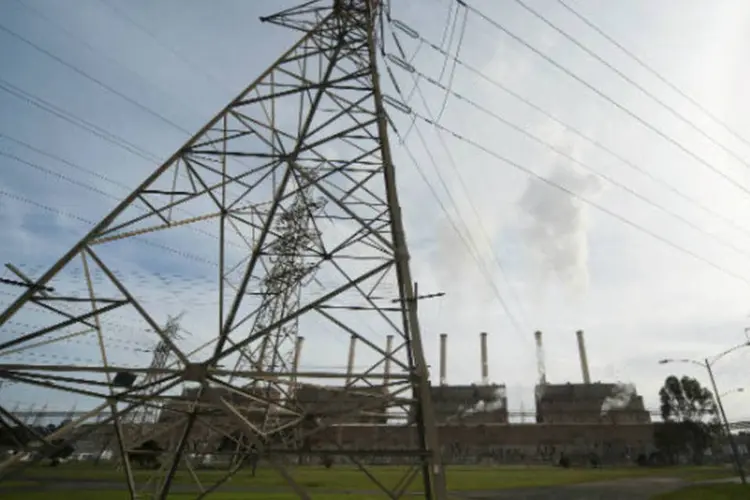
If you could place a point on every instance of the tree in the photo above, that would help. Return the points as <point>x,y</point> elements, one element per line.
<point>60,451</point>
<point>147,454</point>
<point>685,400</point>
<point>690,418</point>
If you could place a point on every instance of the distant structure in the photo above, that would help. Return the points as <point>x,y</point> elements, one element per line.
<point>577,419</point>
<point>540,366</point>
<point>588,403</point>
<point>583,357</point>
<point>344,403</point>
<point>161,357</point>
<point>583,404</point>
<point>483,403</point>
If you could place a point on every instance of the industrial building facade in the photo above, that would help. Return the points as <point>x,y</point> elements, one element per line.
<point>605,419</point>
<point>473,420</point>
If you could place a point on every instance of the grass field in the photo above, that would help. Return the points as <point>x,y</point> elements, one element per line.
<point>119,495</point>
<point>460,478</point>
<point>709,492</point>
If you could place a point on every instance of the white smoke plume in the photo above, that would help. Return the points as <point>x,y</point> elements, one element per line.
<point>620,398</point>
<point>556,233</point>
<point>496,403</point>
<point>539,391</point>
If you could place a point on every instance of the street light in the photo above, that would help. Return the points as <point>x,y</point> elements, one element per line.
<point>707,365</point>
<point>727,393</point>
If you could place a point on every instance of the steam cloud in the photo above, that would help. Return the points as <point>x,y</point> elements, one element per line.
<point>621,396</point>
<point>558,223</point>
<point>496,403</point>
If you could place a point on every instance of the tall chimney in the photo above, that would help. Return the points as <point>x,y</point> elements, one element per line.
<point>582,355</point>
<point>542,371</point>
<point>298,352</point>
<point>443,355</point>
<point>387,367</point>
<point>295,361</point>
<point>350,361</point>
<point>483,354</point>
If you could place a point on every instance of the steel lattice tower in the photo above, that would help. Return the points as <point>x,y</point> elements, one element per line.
<point>149,383</point>
<point>295,182</point>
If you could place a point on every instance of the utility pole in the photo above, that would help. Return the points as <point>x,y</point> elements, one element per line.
<point>424,411</point>
<point>730,437</point>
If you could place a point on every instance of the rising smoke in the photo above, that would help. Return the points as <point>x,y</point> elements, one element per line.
<point>620,398</point>
<point>556,232</point>
<point>496,402</point>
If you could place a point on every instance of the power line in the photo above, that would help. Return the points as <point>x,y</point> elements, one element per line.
<point>654,72</point>
<point>79,218</point>
<point>585,200</point>
<point>73,119</point>
<point>482,229</point>
<point>454,16</point>
<point>453,67</point>
<point>197,69</point>
<point>562,153</point>
<point>476,254</point>
<point>609,99</point>
<point>86,75</point>
<point>499,85</point>
<point>98,82</point>
<point>632,82</point>
<point>471,245</point>
<point>90,187</point>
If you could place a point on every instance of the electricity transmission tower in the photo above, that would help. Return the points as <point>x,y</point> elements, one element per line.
<point>140,422</point>
<point>287,200</point>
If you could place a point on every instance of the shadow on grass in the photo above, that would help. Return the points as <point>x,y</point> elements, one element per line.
<point>709,492</point>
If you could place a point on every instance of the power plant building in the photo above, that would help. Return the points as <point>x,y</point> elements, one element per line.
<point>587,402</point>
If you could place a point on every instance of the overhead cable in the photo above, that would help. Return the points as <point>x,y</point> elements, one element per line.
<point>79,218</point>
<point>585,166</point>
<point>579,197</point>
<point>482,229</point>
<point>654,72</point>
<point>457,55</point>
<point>632,82</point>
<point>609,99</point>
<point>599,145</point>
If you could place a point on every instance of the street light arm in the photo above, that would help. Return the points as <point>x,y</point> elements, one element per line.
<point>728,351</point>
<point>681,360</point>
<point>727,393</point>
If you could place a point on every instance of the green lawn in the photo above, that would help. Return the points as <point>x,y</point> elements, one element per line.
<point>460,478</point>
<point>709,492</point>
<point>121,495</point>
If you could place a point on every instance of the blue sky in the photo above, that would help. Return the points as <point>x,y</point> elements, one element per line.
<point>643,301</point>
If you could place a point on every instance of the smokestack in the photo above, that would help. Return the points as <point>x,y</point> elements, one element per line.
<point>350,361</point>
<point>295,361</point>
<point>443,355</point>
<point>582,355</point>
<point>483,354</point>
<point>387,368</point>
<point>297,353</point>
<point>542,371</point>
